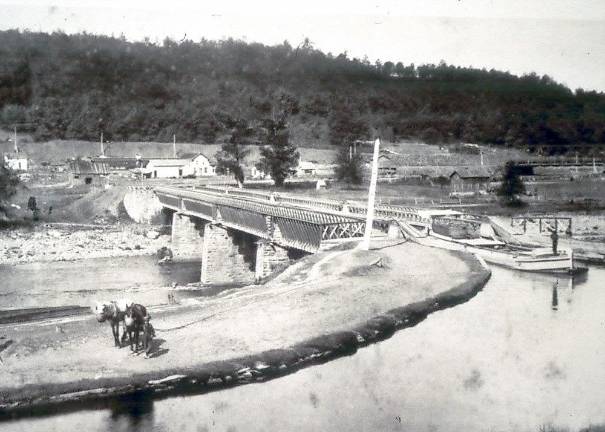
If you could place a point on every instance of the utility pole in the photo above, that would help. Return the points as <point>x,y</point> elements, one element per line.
<point>365,243</point>
<point>481,153</point>
<point>102,147</point>
<point>174,145</point>
<point>16,147</point>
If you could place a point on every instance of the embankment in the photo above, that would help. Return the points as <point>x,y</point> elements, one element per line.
<point>325,307</point>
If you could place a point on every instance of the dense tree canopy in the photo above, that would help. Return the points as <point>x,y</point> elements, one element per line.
<point>75,86</point>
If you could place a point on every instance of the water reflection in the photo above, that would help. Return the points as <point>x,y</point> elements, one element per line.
<point>555,296</point>
<point>82,282</point>
<point>131,413</point>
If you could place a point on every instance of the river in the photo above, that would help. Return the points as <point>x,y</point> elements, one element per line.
<point>82,282</point>
<point>507,360</point>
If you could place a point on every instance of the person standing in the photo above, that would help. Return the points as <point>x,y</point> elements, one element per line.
<point>554,237</point>
<point>148,335</point>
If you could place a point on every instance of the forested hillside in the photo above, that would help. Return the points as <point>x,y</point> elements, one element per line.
<point>76,86</point>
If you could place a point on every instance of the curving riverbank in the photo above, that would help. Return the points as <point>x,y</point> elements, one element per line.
<point>327,306</point>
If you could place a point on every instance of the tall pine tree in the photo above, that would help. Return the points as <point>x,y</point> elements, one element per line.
<point>511,186</point>
<point>279,155</point>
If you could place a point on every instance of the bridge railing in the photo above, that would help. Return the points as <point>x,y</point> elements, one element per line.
<point>385,211</point>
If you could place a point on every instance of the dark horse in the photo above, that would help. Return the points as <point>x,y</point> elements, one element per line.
<point>134,321</point>
<point>114,312</point>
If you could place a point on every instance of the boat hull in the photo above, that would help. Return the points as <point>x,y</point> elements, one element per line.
<point>561,264</point>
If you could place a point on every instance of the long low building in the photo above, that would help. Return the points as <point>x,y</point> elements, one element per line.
<point>196,165</point>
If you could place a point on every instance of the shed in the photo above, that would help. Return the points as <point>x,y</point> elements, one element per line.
<point>469,179</point>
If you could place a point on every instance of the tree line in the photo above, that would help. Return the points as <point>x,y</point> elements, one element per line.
<point>75,86</point>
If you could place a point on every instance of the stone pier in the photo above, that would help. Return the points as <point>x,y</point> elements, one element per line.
<point>187,236</point>
<point>229,256</point>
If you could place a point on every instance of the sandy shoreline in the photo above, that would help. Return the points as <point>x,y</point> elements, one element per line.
<point>327,306</point>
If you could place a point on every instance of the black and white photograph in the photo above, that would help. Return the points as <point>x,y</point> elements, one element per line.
<point>308,216</point>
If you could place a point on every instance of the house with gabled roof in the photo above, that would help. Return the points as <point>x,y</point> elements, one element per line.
<point>201,164</point>
<point>470,179</point>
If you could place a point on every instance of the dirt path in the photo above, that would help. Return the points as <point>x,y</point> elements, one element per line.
<point>326,293</point>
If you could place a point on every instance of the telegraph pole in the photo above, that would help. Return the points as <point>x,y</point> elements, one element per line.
<point>15,142</point>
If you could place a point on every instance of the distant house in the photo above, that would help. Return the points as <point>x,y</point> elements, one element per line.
<point>306,169</point>
<point>85,170</point>
<point>168,168</point>
<point>257,173</point>
<point>16,161</point>
<point>109,164</point>
<point>315,169</point>
<point>469,179</point>
<point>201,165</point>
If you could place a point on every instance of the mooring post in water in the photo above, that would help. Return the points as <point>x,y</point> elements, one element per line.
<point>555,296</point>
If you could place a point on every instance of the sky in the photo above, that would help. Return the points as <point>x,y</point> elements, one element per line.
<point>564,39</point>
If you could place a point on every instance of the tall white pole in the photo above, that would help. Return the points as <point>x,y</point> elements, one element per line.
<point>16,147</point>
<point>174,145</point>
<point>102,147</point>
<point>365,243</point>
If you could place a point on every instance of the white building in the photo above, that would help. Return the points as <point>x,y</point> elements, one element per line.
<point>16,161</point>
<point>202,165</point>
<point>306,169</point>
<point>168,168</point>
<point>315,169</point>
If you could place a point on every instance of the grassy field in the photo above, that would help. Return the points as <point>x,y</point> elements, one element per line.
<point>61,150</point>
<point>413,153</point>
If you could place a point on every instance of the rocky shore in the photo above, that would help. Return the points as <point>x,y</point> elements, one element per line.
<point>328,305</point>
<point>66,242</point>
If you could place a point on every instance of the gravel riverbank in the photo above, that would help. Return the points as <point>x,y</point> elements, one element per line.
<point>65,242</point>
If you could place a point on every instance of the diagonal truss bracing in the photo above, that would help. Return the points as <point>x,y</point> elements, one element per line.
<point>299,228</point>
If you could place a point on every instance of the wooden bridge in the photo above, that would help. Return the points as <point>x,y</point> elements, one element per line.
<point>233,220</point>
<point>289,226</point>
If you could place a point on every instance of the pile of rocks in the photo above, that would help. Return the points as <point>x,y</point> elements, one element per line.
<point>65,244</point>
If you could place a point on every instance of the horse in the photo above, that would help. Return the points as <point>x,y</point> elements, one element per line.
<point>115,312</point>
<point>134,321</point>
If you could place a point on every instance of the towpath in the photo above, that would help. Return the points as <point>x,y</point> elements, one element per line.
<point>329,292</point>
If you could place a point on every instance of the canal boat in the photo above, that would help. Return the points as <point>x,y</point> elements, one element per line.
<point>486,244</point>
<point>540,260</point>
